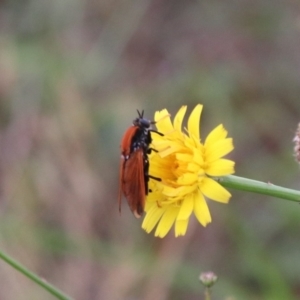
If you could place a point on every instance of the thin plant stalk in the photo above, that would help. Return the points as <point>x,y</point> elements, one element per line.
<point>207,293</point>
<point>41,282</point>
<point>254,186</point>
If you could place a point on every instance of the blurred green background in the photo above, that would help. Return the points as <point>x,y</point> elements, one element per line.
<point>73,73</point>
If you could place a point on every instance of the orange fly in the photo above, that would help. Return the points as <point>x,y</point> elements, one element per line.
<point>134,177</point>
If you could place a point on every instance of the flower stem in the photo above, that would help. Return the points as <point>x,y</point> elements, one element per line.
<point>207,293</point>
<point>41,282</point>
<point>265,188</point>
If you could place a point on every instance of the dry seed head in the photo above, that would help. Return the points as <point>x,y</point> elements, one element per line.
<point>296,140</point>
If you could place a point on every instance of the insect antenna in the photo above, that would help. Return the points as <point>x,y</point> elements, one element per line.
<point>141,114</point>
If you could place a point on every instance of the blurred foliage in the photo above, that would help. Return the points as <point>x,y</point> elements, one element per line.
<point>73,73</point>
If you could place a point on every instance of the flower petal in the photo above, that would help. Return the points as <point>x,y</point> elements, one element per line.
<point>152,197</point>
<point>186,208</point>
<point>187,179</point>
<point>184,157</point>
<point>220,167</point>
<point>164,123</point>
<point>193,122</point>
<point>152,217</point>
<point>214,191</point>
<point>172,147</point>
<point>166,221</point>
<point>201,209</point>
<point>215,135</point>
<point>218,149</point>
<point>198,157</point>
<point>194,168</point>
<point>181,227</point>
<point>179,118</point>
<point>179,191</point>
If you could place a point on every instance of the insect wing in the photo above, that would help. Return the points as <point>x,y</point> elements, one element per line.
<point>127,140</point>
<point>125,150</point>
<point>133,182</point>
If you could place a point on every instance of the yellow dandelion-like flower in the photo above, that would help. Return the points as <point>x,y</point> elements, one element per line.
<point>186,167</point>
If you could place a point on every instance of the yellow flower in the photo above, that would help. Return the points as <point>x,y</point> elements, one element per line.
<point>186,167</point>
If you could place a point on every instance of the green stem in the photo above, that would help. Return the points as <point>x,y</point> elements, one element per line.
<point>265,188</point>
<point>207,293</point>
<point>41,282</point>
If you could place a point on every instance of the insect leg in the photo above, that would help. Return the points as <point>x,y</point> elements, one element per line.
<point>157,132</point>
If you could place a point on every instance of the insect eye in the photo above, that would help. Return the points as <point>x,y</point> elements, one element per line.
<point>140,122</point>
<point>144,123</point>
